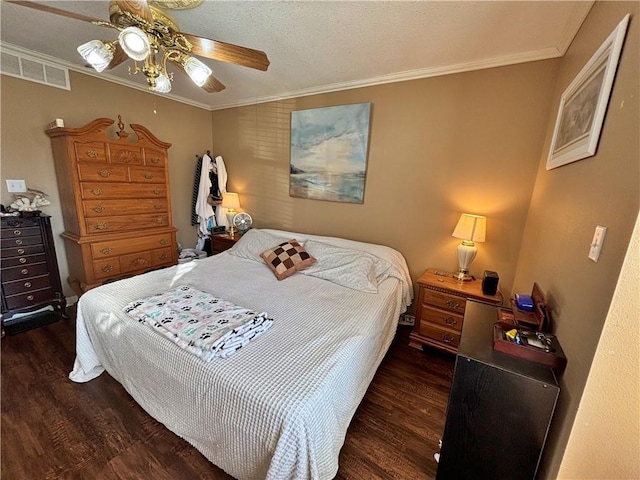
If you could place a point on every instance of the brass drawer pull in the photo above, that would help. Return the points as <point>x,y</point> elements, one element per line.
<point>148,176</point>
<point>98,209</point>
<point>30,297</point>
<point>92,154</point>
<point>140,261</point>
<point>450,321</point>
<point>164,256</point>
<point>18,242</point>
<point>107,268</point>
<point>452,304</point>
<point>27,284</point>
<point>105,173</point>
<point>102,226</point>
<point>155,160</point>
<point>157,191</point>
<point>157,207</point>
<point>97,191</point>
<point>159,220</point>
<point>447,338</point>
<point>17,233</point>
<point>164,241</point>
<point>20,251</point>
<point>106,251</point>
<point>22,260</point>
<point>24,271</point>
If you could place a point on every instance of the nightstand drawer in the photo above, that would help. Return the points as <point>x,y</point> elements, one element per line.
<point>441,318</point>
<point>445,301</point>
<point>443,336</point>
<point>28,299</point>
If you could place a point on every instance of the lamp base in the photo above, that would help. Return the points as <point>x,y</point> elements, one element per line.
<point>466,253</point>
<point>462,276</point>
<point>230,216</point>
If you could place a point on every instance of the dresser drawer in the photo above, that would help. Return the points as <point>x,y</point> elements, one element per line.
<point>26,285</point>
<point>147,175</point>
<point>94,191</point>
<point>20,251</point>
<point>99,172</point>
<point>18,242</point>
<point>441,318</point>
<point>17,273</point>
<point>443,336</point>
<point>28,299</point>
<point>19,222</point>
<point>125,223</point>
<point>161,256</point>
<point>135,261</point>
<point>103,208</point>
<point>154,158</point>
<point>106,268</point>
<point>20,232</point>
<point>91,152</point>
<point>445,301</point>
<point>125,155</point>
<point>131,245</point>
<point>23,260</point>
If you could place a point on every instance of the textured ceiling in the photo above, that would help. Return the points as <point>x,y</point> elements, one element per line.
<point>319,46</point>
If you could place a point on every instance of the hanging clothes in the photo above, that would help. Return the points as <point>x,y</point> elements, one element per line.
<point>221,213</point>
<point>196,190</point>
<point>203,209</point>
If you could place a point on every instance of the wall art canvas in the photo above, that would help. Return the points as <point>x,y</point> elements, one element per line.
<point>329,148</point>
<point>584,103</point>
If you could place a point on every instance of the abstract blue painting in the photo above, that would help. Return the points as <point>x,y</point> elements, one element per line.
<point>329,148</point>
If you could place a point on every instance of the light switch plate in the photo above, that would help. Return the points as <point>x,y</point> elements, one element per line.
<point>596,243</point>
<point>16,186</point>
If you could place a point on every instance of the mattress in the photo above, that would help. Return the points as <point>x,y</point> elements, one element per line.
<point>278,408</point>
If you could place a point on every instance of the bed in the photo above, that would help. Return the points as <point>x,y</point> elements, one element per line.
<point>279,408</point>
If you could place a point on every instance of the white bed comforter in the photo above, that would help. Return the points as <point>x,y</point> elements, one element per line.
<point>277,409</point>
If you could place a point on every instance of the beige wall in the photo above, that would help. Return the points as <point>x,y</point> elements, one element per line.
<point>438,147</point>
<point>28,107</point>
<point>567,204</point>
<point>611,400</point>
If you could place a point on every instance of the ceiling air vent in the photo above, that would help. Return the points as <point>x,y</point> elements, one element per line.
<point>30,68</point>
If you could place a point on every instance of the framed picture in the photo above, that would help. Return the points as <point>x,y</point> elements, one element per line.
<point>584,103</point>
<point>329,148</point>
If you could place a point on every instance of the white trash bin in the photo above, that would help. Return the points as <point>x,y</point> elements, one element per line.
<point>188,254</point>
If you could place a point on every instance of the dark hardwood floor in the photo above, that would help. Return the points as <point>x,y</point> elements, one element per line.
<point>53,428</point>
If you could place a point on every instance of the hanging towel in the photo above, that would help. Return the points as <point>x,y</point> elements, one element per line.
<point>221,213</point>
<point>196,189</point>
<point>203,209</point>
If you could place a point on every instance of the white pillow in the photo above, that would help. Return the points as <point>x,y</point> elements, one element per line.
<point>253,243</point>
<point>350,268</point>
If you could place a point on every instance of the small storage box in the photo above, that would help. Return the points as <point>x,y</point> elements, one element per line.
<point>525,302</point>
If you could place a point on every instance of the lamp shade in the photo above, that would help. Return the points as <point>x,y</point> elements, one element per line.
<point>97,54</point>
<point>471,227</point>
<point>197,70</point>
<point>230,200</point>
<point>135,43</point>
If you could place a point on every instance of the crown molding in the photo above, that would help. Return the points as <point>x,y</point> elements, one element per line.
<point>577,17</point>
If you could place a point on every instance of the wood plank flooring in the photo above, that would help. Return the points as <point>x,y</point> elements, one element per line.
<point>53,428</point>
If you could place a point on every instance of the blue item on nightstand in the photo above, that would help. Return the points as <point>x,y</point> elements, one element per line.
<point>525,302</point>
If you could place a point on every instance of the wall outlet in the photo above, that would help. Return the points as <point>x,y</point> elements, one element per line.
<point>16,186</point>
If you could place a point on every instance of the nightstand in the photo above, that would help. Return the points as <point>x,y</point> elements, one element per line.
<point>223,241</point>
<point>440,310</point>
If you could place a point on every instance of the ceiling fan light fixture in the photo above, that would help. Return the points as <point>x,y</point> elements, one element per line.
<point>197,70</point>
<point>163,84</point>
<point>135,43</point>
<point>97,54</point>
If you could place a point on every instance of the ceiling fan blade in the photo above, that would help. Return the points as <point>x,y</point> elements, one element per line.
<point>136,7</point>
<point>119,56</point>
<point>55,11</point>
<point>213,85</point>
<point>226,52</point>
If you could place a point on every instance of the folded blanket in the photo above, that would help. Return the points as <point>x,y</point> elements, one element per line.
<point>202,324</point>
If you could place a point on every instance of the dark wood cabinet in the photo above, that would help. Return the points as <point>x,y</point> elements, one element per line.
<point>30,277</point>
<point>222,241</point>
<point>500,407</point>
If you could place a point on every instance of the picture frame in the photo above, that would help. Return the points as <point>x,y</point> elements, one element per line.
<point>583,104</point>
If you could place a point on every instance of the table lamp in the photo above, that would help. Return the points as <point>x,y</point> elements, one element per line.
<point>230,201</point>
<point>471,229</point>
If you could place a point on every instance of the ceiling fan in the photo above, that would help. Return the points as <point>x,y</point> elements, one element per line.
<point>149,35</point>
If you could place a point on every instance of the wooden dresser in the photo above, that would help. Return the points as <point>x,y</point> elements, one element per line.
<point>30,276</point>
<point>223,241</point>
<point>440,311</point>
<point>115,201</point>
